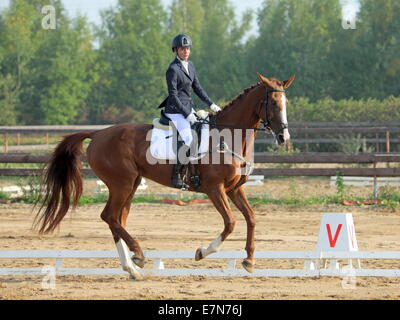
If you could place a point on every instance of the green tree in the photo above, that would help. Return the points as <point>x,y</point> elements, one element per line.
<point>8,90</point>
<point>8,100</point>
<point>186,16</point>
<point>49,66</point>
<point>220,61</point>
<point>133,56</point>
<point>297,37</point>
<point>64,77</point>
<point>379,36</point>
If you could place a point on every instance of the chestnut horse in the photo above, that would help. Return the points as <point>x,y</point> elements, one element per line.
<point>117,155</point>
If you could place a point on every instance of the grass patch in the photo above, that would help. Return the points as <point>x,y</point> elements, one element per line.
<point>390,196</point>
<point>4,196</point>
<point>290,201</point>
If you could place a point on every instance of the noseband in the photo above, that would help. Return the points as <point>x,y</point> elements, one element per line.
<point>267,122</point>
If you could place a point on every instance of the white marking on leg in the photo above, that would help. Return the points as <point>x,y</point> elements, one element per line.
<point>213,247</point>
<point>286,134</point>
<point>126,262</point>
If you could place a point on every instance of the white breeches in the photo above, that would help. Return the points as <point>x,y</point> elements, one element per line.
<point>183,127</point>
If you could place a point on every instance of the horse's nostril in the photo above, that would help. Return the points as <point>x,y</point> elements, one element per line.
<point>281,138</point>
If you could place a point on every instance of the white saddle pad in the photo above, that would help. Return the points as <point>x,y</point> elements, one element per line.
<point>161,146</point>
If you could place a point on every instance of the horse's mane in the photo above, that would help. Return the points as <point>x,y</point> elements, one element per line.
<point>245,91</point>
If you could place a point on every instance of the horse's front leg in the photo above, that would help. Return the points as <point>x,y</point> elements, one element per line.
<point>219,199</point>
<point>239,198</point>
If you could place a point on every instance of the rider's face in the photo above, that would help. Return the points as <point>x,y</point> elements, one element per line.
<point>184,53</point>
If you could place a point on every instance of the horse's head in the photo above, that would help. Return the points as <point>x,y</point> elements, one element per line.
<point>273,110</point>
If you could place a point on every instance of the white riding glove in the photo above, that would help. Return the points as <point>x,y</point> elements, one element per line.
<point>191,118</point>
<point>215,108</point>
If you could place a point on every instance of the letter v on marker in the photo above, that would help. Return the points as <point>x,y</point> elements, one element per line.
<point>332,242</point>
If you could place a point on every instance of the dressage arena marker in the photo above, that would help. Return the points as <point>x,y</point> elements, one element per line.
<point>101,187</point>
<point>337,240</point>
<point>231,270</point>
<point>254,180</point>
<point>367,181</point>
<point>337,233</point>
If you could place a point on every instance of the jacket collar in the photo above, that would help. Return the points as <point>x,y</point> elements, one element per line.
<point>179,63</point>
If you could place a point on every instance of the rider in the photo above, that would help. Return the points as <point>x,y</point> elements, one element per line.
<point>181,80</point>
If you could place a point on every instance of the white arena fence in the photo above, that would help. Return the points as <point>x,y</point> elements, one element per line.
<point>314,265</point>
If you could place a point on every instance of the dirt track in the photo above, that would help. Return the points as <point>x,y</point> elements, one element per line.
<point>171,227</point>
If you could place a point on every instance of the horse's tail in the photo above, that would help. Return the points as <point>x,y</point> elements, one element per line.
<point>62,179</point>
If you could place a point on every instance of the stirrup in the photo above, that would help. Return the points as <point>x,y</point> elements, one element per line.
<point>222,147</point>
<point>178,183</point>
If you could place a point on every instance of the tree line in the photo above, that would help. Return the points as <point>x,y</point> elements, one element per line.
<point>80,73</point>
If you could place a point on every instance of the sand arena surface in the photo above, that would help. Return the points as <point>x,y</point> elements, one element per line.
<point>172,227</point>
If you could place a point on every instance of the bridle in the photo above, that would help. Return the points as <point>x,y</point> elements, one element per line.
<point>266,123</point>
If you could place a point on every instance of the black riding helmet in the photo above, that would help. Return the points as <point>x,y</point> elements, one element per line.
<point>181,41</point>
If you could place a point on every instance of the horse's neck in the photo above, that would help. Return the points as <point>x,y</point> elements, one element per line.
<point>242,114</point>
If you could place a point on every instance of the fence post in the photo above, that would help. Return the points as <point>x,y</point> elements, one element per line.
<point>387,141</point>
<point>376,195</point>
<point>18,139</point>
<point>5,142</point>
<point>307,149</point>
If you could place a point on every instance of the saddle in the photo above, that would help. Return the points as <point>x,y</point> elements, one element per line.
<point>164,138</point>
<point>166,142</point>
<point>163,123</point>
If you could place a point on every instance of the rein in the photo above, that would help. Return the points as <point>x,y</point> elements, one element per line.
<point>213,119</point>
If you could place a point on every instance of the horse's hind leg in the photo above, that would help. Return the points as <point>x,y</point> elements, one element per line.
<point>115,214</point>
<point>139,261</point>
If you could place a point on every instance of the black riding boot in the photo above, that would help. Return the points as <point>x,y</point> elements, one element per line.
<point>176,176</point>
<point>177,181</point>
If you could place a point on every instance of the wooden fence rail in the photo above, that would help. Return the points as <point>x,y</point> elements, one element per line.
<point>323,129</point>
<point>258,158</point>
<point>299,158</point>
<point>300,132</point>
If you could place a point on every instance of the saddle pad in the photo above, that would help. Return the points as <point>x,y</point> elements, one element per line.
<point>161,146</point>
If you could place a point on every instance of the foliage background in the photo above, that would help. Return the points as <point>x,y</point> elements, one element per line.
<point>114,72</point>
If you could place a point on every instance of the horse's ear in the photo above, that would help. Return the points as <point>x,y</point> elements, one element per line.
<point>265,80</point>
<point>288,82</point>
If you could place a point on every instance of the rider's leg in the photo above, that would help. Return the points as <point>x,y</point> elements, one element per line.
<point>186,133</point>
<point>183,127</point>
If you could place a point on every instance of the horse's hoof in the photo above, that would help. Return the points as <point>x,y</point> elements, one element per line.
<point>138,261</point>
<point>134,274</point>
<point>199,255</point>
<point>249,267</point>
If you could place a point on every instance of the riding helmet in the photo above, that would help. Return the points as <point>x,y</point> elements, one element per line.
<point>181,40</point>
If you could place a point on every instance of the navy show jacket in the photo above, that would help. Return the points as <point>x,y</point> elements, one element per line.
<point>180,87</point>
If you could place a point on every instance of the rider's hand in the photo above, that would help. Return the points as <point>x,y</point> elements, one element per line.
<point>215,108</point>
<point>191,118</point>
